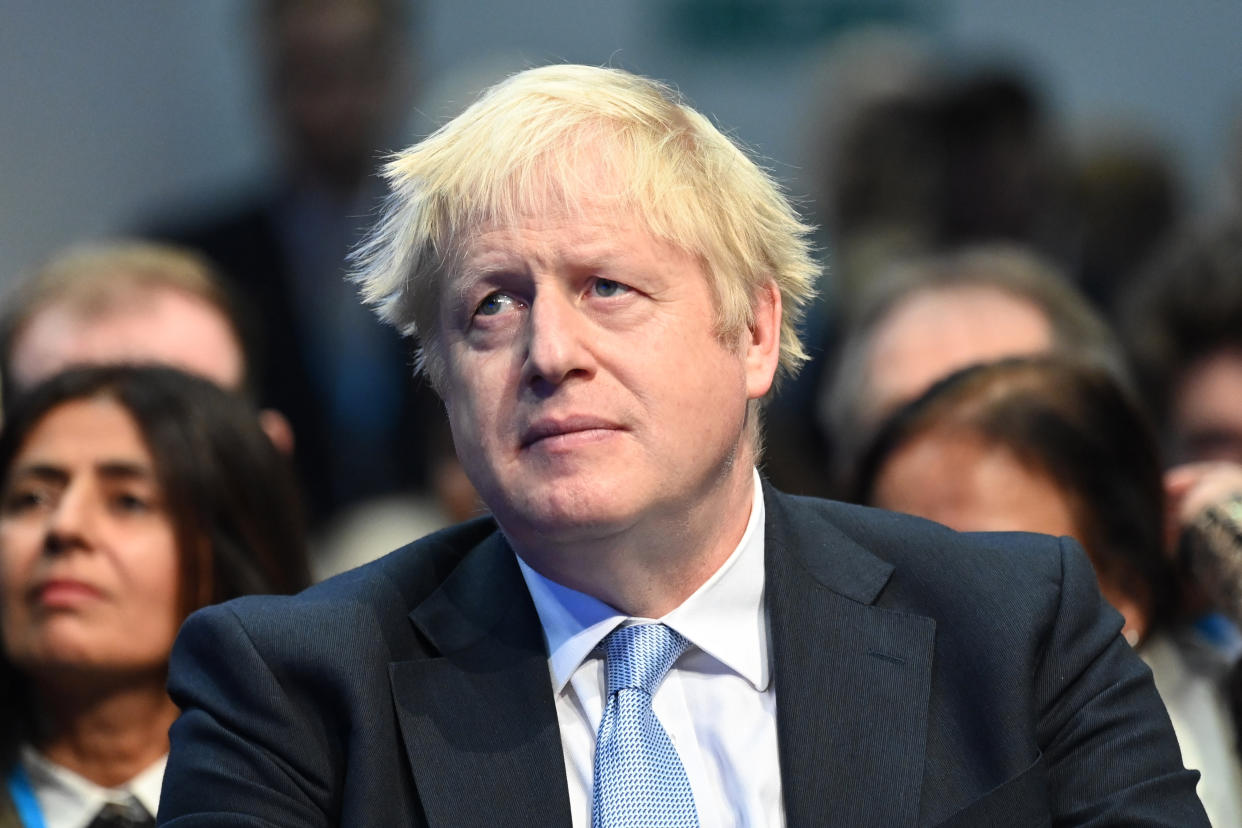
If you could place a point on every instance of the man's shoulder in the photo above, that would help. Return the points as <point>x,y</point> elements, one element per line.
<point>903,539</point>
<point>368,604</point>
<point>930,567</point>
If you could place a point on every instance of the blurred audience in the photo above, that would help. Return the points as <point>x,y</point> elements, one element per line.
<point>1183,326</point>
<point>1047,444</point>
<point>131,497</point>
<point>339,75</point>
<point>876,153</point>
<point>1204,513</point>
<point>921,320</point>
<point>1005,175</point>
<point>138,301</point>
<point>1129,202</point>
<point>126,301</point>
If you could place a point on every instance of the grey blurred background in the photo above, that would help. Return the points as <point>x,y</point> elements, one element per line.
<point>115,112</point>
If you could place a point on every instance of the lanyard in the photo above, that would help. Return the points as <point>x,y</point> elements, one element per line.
<point>24,799</point>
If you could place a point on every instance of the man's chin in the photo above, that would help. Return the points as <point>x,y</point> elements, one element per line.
<point>583,517</point>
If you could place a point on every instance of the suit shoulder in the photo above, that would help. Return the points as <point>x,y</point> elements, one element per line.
<point>364,604</point>
<point>931,563</point>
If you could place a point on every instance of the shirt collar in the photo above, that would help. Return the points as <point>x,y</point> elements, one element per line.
<point>64,792</point>
<point>724,617</point>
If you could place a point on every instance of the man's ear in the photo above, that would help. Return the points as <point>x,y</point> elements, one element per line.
<point>763,343</point>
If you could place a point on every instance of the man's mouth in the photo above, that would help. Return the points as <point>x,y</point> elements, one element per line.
<point>567,430</point>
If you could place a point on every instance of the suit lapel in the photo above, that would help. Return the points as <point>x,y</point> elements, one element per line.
<point>479,720</point>
<point>852,679</point>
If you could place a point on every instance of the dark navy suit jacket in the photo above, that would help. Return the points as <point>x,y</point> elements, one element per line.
<point>923,677</point>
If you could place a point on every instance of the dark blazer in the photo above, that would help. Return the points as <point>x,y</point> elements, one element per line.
<point>923,677</point>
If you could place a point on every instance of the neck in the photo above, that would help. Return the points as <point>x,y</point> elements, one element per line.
<point>108,735</point>
<point>648,571</point>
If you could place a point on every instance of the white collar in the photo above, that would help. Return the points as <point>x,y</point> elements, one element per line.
<point>724,617</point>
<point>66,798</point>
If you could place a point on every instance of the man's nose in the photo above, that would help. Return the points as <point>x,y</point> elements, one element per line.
<point>558,341</point>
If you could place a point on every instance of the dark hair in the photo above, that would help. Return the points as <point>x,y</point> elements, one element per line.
<point>1187,305</point>
<point>231,497</point>
<point>1074,422</point>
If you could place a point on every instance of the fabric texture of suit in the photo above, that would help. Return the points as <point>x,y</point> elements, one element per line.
<point>923,677</point>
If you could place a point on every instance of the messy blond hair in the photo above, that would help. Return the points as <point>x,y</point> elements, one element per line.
<point>544,139</point>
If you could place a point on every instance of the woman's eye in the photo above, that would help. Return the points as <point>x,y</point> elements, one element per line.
<point>131,503</point>
<point>607,288</point>
<point>23,500</point>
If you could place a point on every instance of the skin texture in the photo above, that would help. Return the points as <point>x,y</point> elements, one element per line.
<point>990,489</point>
<point>1207,408</point>
<point>159,325</point>
<point>934,332</point>
<point>596,410</point>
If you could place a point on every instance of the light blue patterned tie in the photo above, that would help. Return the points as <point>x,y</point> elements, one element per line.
<point>639,779</point>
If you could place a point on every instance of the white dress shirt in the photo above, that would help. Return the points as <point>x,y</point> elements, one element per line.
<point>1191,678</point>
<point>68,800</point>
<point>717,703</point>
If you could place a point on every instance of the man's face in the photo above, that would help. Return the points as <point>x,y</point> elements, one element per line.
<point>933,333</point>
<point>1207,408</point>
<point>163,325</point>
<point>335,69</point>
<point>586,387</point>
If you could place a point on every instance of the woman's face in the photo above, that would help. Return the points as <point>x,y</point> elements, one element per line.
<point>88,558</point>
<point>971,485</point>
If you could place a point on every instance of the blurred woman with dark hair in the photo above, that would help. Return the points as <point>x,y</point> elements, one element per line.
<point>131,497</point>
<point>1045,444</point>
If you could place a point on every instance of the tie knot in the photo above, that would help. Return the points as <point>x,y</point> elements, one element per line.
<point>638,656</point>
<point>114,815</point>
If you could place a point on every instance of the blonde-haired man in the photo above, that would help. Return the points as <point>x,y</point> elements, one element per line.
<point>645,634</point>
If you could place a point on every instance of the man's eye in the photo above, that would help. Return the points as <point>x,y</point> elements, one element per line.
<point>495,303</point>
<point>607,288</point>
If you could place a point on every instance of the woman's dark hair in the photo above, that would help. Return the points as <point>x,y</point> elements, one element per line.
<point>1073,422</point>
<point>231,497</point>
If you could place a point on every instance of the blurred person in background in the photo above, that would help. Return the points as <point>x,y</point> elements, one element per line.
<point>139,301</point>
<point>339,76</point>
<point>1005,178</point>
<point>875,154</point>
<point>921,320</point>
<point>1130,200</point>
<point>131,497</point>
<point>1183,328</point>
<point>1047,444</point>
<point>128,300</point>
